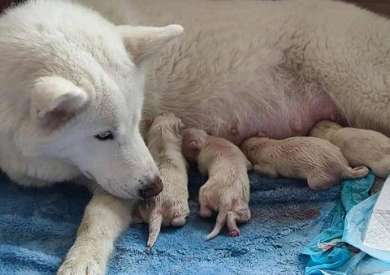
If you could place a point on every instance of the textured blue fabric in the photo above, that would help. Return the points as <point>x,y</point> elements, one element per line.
<point>327,251</point>
<point>330,252</point>
<point>38,226</point>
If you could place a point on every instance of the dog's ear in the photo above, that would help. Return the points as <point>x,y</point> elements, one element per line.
<point>143,42</point>
<point>55,100</point>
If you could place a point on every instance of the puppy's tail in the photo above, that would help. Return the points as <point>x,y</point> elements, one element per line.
<point>155,221</point>
<point>221,220</point>
<point>357,172</point>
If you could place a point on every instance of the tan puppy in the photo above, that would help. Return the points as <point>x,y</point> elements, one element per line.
<point>227,189</point>
<point>314,159</point>
<point>359,146</point>
<point>170,207</point>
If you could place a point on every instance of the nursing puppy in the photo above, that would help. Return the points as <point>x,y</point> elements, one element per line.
<point>170,207</point>
<point>359,146</point>
<point>227,189</point>
<point>314,159</point>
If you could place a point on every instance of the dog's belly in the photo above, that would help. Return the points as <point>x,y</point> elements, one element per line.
<point>270,73</point>
<point>243,115</point>
<point>258,97</point>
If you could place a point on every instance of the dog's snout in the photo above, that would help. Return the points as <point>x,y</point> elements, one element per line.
<point>152,188</point>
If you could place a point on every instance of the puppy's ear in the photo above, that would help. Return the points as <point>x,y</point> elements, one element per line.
<point>143,42</point>
<point>55,100</point>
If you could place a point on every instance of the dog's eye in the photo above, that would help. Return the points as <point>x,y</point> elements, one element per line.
<point>106,135</point>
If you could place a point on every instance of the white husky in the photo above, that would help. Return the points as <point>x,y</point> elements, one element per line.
<point>72,85</point>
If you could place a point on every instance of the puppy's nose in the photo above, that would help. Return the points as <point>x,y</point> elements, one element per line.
<point>152,189</point>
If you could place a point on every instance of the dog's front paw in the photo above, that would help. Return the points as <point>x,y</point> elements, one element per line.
<point>81,265</point>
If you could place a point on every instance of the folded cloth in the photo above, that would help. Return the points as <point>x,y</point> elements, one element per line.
<point>334,251</point>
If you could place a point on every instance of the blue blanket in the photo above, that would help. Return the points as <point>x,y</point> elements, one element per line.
<point>38,226</point>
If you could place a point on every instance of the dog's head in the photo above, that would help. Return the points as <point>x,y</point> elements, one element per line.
<point>81,79</point>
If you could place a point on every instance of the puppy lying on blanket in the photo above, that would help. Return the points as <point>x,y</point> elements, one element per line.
<point>227,189</point>
<point>170,207</point>
<point>314,159</point>
<point>359,146</point>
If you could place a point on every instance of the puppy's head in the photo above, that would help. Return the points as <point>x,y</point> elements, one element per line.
<point>193,142</point>
<point>251,146</point>
<point>324,129</point>
<point>165,132</point>
<point>167,122</point>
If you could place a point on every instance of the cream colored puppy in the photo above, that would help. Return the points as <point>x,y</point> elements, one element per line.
<point>314,159</point>
<point>359,146</point>
<point>227,189</point>
<point>170,207</point>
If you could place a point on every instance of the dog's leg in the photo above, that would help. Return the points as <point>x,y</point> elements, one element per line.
<point>105,218</point>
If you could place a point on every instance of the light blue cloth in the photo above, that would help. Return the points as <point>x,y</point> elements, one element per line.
<point>331,251</point>
<point>38,226</point>
<point>355,227</point>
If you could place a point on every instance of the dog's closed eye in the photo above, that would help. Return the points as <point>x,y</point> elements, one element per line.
<point>104,136</point>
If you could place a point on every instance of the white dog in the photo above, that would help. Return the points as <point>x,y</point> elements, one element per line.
<point>72,85</point>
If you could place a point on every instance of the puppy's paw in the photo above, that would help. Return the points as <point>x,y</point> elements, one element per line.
<point>205,212</point>
<point>234,233</point>
<point>178,221</point>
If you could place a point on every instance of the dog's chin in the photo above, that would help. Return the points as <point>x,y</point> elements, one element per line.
<point>120,193</point>
<point>125,195</point>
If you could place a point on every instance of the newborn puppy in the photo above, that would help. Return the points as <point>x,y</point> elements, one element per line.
<point>314,159</point>
<point>359,146</point>
<point>170,207</point>
<point>227,189</point>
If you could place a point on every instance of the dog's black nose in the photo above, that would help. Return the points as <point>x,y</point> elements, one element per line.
<point>152,189</point>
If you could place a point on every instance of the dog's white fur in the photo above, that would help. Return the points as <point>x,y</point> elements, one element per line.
<point>67,74</point>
